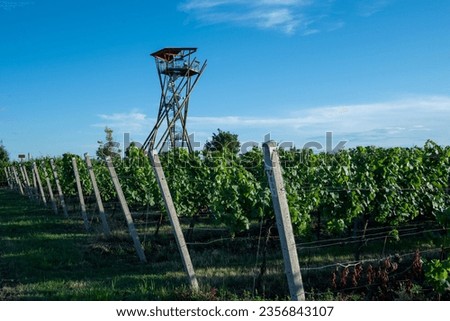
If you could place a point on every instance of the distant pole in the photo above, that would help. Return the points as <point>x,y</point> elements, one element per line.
<point>58,187</point>
<point>126,211</point>
<point>170,207</point>
<point>39,183</point>
<point>25,173</point>
<point>34,179</point>
<point>50,189</point>
<point>98,197</point>
<point>34,189</point>
<point>284,224</point>
<point>11,177</point>
<point>8,178</point>
<point>24,180</point>
<point>80,194</point>
<point>19,183</point>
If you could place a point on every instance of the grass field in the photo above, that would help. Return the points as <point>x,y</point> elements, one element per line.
<point>47,257</point>
<point>44,256</point>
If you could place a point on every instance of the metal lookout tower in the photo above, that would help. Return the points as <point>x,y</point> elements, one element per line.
<point>178,73</point>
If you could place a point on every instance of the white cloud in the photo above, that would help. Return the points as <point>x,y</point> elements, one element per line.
<point>203,4</point>
<point>9,5</point>
<point>283,15</point>
<point>279,18</point>
<point>132,122</point>
<point>305,17</point>
<point>367,8</point>
<point>403,122</point>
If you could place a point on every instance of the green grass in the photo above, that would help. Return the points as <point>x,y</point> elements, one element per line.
<point>44,256</point>
<point>47,257</point>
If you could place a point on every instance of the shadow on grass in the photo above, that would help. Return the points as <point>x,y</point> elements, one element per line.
<point>44,256</point>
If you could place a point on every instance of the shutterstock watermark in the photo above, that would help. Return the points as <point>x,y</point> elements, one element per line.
<point>325,146</point>
<point>288,145</point>
<point>247,146</point>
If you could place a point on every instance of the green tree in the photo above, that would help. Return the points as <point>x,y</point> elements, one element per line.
<point>223,141</point>
<point>4,160</point>
<point>109,147</point>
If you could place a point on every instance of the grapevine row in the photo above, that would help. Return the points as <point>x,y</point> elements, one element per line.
<point>328,194</point>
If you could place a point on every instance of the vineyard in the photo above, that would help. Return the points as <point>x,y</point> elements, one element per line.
<point>369,223</point>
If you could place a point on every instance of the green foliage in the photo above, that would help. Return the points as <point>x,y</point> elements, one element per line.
<point>389,186</point>
<point>394,234</point>
<point>328,194</point>
<point>219,182</point>
<point>4,156</point>
<point>188,180</point>
<point>137,179</point>
<point>67,175</point>
<point>104,181</point>
<point>234,197</point>
<point>4,162</point>
<point>437,274</point>
<point>443,218</point>
<point>223,141</point>
<point>109,147</point>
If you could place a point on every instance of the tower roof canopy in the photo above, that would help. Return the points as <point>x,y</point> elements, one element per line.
<point>168,54</point>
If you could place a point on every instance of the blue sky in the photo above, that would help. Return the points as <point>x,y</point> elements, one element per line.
<point>373,72</point>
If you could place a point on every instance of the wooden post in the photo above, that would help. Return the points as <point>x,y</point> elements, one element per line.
<point>19,183</point>
<point>98,197</point>
<point>284,224</point>
<point>170,207</point>
<point>126,210</point>
<point>50,189</point>
<point>80,194</point>
<point>58,187</point>
<point>39,183</point>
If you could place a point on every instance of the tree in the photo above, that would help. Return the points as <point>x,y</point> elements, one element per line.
<point>109,147</point>
<point>223,141</point>
<point>4,160</point>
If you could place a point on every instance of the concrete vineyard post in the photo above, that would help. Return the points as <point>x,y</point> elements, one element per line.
<point>8,179</point>
<point>50,189</point>
<point>98,197</point>
<point>35,187</point>
<point>31,189</point>
<point>170,207</point>
<point>283,219</point>
<point>39,183</point>
<point>126,210</point>
<point>25,181</point>
<point>80,194</point>
<point>19,183</point>
<point>58,187</point>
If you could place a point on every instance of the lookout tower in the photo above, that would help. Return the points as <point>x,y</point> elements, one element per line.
<point>178,72</point>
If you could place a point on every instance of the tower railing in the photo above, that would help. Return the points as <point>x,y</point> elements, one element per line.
<point>178,66</point>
